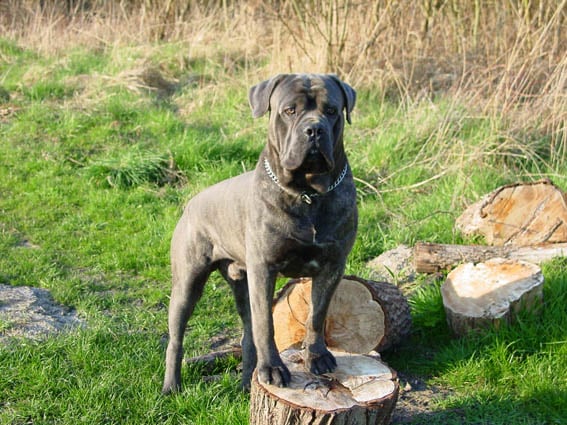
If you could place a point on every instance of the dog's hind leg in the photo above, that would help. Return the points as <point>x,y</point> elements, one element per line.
<point>236,277</point>
<point>189,274</point>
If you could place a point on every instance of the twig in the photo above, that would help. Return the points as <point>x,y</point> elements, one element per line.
<point>368,185</point>
<point>216,355</point>
<point>416,185</point>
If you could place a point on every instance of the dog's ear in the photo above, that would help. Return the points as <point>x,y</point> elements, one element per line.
<point>349,94</point>
<point>259,95</point>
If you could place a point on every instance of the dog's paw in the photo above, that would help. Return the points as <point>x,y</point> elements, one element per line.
<point>171,388</point>
<point>320,362</point>
<point>277,375</point>
<point>246,380</point>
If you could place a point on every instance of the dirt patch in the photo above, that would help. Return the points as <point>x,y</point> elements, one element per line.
<point>31,313</point>
<point>416,402</point>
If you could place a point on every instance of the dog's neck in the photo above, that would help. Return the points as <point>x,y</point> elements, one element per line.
<point>306,196</point>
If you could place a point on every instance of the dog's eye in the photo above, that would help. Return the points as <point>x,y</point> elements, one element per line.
<point>289,111</point>
<point>331,110</point>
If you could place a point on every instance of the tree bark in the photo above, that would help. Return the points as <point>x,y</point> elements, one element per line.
<point>431,258</point>
<point>362,390</point>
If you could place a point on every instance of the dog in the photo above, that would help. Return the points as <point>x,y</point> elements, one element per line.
<point>294,215</point>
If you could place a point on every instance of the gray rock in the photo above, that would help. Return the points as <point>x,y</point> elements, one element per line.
<point>395,266</point>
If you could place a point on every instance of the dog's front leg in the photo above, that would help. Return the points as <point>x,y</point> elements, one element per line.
<point>271,369</point>
<point>318,359</point>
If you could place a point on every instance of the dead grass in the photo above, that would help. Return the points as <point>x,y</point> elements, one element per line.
<point>506,59</point>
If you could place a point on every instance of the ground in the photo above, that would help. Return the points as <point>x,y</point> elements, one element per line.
<point>415,400</point>
<point>31,312</point>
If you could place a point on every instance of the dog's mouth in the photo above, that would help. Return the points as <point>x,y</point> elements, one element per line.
<point>315,163</point>
<point>313,170</point>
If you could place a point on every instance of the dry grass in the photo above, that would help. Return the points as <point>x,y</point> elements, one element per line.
<point>507,59</point>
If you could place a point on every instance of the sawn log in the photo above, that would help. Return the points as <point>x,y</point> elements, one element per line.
<point>490,293</point>
<point>362,390</point>
<point>364,315</point>
<point>431,257</point>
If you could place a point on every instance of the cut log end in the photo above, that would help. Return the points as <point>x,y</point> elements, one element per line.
<point>364,315</point>
<point>520,214</point>
<point>476,296</point>
<point>361,390</point>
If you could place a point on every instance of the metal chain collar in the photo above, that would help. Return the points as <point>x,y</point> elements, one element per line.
<point>305,197</point>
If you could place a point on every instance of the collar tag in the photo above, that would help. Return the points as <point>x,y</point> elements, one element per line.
<point>306,198</point>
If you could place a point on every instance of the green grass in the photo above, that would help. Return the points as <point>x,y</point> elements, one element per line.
<point>94,175</point>
<point>515,374</point>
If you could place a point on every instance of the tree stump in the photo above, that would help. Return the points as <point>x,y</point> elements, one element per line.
<point>362,390</point>
<point>476,296</point>
<point>364,315</point>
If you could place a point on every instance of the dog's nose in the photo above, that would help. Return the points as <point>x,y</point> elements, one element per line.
<point>314,131</point>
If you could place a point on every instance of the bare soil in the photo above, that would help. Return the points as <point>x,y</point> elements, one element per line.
<point>416,401</point>
<point>30,312</point>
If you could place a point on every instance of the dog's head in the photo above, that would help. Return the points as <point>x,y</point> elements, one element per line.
<point>307,115</point>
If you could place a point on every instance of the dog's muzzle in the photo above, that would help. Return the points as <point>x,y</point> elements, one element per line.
<point>318,155</point>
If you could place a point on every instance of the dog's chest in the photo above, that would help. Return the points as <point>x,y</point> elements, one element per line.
<point>314,226</point>
<point>311,244</point>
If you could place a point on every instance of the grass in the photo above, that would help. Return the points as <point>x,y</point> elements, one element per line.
<point>513,375</point>
<point>104,141</point>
